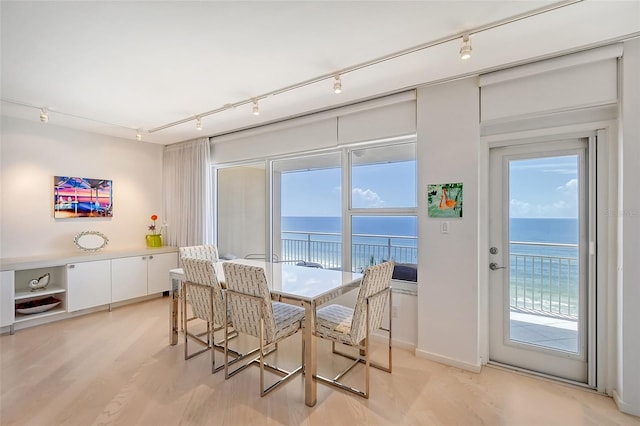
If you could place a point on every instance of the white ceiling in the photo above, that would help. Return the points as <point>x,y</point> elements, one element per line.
<point>112,67</point>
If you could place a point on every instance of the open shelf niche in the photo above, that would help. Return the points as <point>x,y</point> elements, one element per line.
<point>56,288</point>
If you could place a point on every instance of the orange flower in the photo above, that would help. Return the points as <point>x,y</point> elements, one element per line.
<point>152,227</point>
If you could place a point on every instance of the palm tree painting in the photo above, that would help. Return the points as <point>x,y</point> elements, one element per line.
<point>444,200</point>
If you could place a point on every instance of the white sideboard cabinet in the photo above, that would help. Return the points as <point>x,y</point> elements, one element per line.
<point>80,281</point>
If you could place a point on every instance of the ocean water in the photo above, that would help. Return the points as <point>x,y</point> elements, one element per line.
<point>563,231</point>
<point>368,225</point>
<point>543,262</point>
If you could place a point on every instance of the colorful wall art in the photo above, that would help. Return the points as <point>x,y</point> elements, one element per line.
<point>444,200</point>
<point>81,197</point>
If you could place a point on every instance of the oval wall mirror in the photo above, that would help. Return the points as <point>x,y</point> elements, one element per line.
<point>91,241</point>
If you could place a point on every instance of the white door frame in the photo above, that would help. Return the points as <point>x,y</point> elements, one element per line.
<point>605,297</point>
<point>504,349</point>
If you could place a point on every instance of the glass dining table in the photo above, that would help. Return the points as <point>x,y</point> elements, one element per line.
<point>289,283</point>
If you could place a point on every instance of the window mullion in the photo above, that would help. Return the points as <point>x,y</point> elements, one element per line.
<point>346,210</point>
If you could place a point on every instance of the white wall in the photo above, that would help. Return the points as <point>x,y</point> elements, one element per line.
<point>448,146</point>
<point>33,153</point>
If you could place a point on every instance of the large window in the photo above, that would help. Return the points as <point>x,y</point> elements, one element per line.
<point>382,211</point>
<point>384,177</point>
<point>345,209</point>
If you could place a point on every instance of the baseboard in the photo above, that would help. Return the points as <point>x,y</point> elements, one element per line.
<point>474,368</point>
<point>625,407</point>
<point>382,337</point>
<point>67,315</point>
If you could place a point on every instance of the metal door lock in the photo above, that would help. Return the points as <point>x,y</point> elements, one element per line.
<point>493,250</point>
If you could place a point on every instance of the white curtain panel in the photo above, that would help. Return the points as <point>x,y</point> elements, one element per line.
<point>188,194</point>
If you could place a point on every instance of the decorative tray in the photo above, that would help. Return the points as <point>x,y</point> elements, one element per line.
<point>37,306</point>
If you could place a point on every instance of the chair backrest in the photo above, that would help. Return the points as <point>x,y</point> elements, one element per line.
<point>246,312</point>
<point>200,252</point>
<point>376,278</point>
<point>202,271</point>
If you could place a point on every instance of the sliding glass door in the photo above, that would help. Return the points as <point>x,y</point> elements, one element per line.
<point>307,210</point>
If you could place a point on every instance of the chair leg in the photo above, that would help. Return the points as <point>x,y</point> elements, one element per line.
<point>364,351</point>
<point>286,375</point>
<point>262,392</point>
<point>367,360</point>
<point>390,328</point>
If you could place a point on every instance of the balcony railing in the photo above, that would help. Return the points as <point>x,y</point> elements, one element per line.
<point>367,249</point>
<point>544,278</point>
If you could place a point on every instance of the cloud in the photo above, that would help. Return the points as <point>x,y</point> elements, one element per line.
<point>367,197</point>
<point>570,186</point>
<point>559,208</point>
<point>519,208</point>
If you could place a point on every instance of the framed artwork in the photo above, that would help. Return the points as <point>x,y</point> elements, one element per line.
<point>444,200</point>
<point>81,197</point>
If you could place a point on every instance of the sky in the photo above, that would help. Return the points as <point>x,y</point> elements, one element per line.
<point>539,188</point>
<point>544,188</point>
<point>318,192</point>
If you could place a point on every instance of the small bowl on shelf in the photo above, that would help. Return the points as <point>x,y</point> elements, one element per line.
<point>37,306</point>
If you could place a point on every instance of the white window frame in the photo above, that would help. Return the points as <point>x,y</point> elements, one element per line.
<point>346,183</point>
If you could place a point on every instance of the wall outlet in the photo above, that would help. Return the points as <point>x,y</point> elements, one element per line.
<point>394,311</point>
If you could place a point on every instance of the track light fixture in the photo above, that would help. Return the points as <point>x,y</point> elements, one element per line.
<point>138,135</point>
<point>198,123</point>
<point>465,53</point>
<point>337,84</point>
<point>465,50</point>
<point>44,115</point>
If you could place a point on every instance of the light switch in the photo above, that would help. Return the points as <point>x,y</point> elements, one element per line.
<point>444,227</point>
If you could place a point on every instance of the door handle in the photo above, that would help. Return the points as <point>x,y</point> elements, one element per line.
<point>493,266</point>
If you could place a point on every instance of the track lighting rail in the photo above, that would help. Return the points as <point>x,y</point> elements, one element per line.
<point>335,75</point>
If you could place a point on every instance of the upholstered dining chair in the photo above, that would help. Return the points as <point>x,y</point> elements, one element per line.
<point>353,327</point>
<point>254,313</point>
<point>202,291</point>
<point>209,252</point>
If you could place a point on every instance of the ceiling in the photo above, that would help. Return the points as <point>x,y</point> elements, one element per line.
<point>117,66</point>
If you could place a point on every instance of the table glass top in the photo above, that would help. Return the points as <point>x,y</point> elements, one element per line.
<point>294,281</point>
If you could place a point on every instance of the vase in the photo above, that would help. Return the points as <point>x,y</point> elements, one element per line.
<point>154,240</point>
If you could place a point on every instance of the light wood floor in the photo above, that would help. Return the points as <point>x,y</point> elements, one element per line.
<point>117,368</point>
